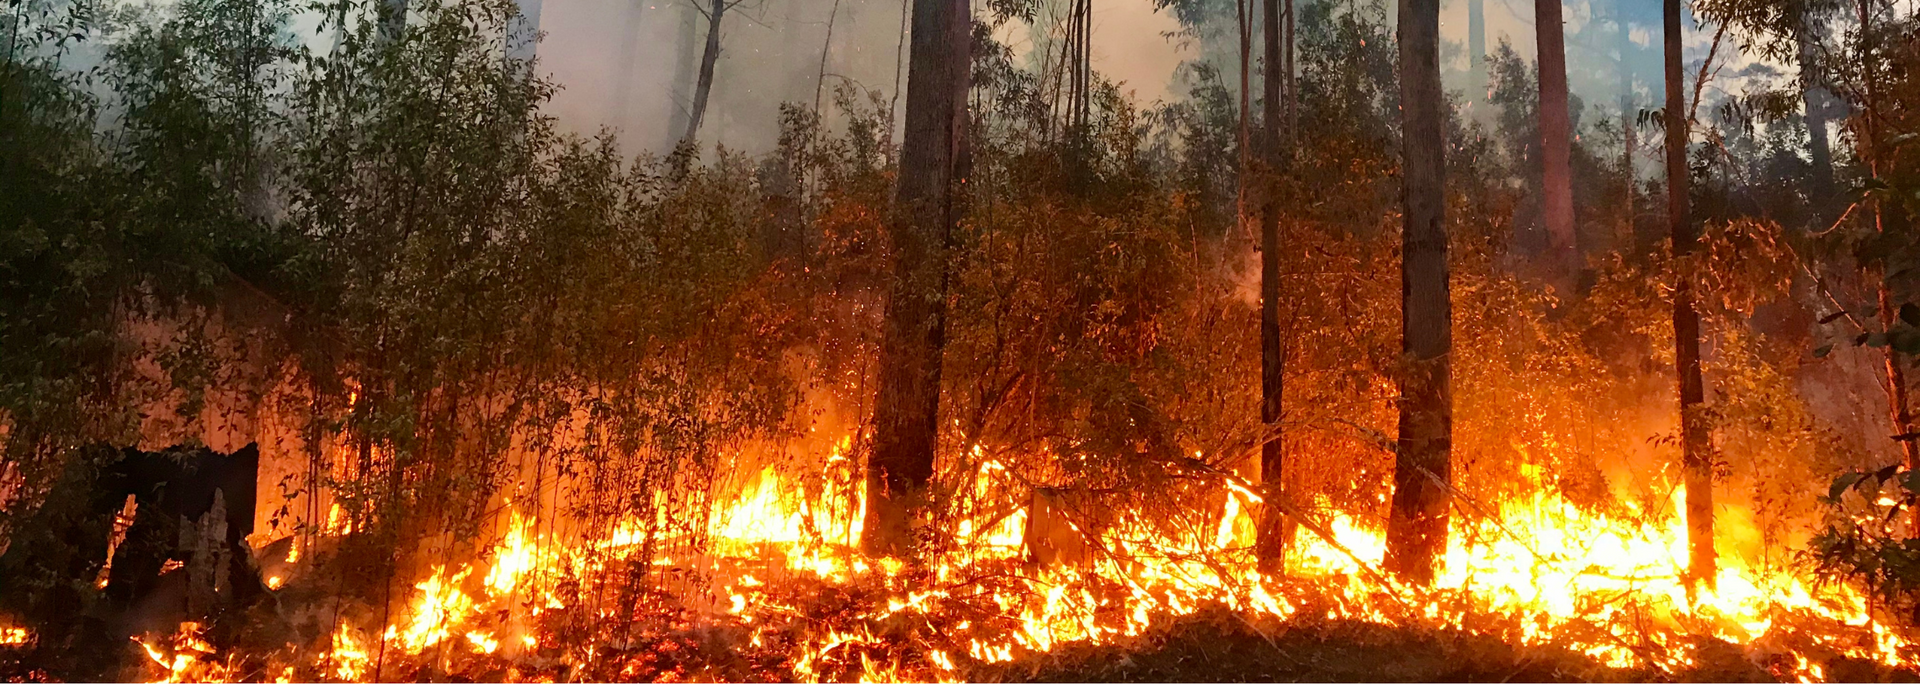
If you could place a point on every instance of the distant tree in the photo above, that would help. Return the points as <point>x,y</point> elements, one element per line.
<point>715,11</point>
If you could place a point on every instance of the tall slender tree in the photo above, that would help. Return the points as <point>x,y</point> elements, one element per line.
<point>715,12</point>
<point>1417,526</point>
<point>1628,121</point>
<point>1556,141</point>
<point>1477,51</point>
<point>933,168</point>
<point>1695,451</point>
<point>1271,544</point>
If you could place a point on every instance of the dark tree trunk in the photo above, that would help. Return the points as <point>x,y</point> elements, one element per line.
<point>1813,97</point>
<point>1695,452</point>
<point>703,88</point>
<point>933,165</point>
<point>1556,139</point>
<point>1271,544</point>
<point>1417,527</point>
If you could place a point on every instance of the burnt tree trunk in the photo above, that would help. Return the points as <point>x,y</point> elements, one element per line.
<point>933,168</point>
<point>1417,526</point>
<point>1556,139</point>
<point>1695,452</point>
<point>703,87</point>
<point>1271,544</point>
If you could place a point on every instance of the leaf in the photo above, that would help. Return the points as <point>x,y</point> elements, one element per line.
<point>1829,318</point>
<point>1910,313</point>
<point>1844,482</point>
<point>1822,351</point>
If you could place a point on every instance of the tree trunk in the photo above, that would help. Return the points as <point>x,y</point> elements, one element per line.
<point>1629,129</point>
<point>1271,544</point>
<point>622,97</point>
<point>1243,24</point>
<point>686,71</point>
<point>1556,139</point>
<point>1812,96</point>
<point>1477,51</point>
<point>704,86</point>
<point>1870,151</point>
<point>1695,452</point>
<point>1417,527</point>
<point>933,165</point>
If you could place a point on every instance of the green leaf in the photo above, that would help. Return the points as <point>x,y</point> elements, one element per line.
<point>1822,351</point>
<point>1844,482</point>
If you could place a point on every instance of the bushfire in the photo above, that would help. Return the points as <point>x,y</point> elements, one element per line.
<point>782,586</point>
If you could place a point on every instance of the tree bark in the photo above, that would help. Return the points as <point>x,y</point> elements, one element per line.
<point>1695,451</point>
<point>933,167</point>
<point>1556,139</point>
<point>704,86</point>
<point>1271,544</point>
<point>1417,527</point>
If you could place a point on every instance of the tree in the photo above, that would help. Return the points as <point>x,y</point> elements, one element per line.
<point>714,12</point>
<point>1417,526</point>
<point>1271,546</point>
<point>1695,456</point>
<point>1477,51</point>
<point>1556,139</point>
<point>933,167</point>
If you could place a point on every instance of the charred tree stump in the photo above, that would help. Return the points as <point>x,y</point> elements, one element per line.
<point>184,555</point>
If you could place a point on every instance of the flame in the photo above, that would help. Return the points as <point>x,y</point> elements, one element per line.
<point>1609,584</point>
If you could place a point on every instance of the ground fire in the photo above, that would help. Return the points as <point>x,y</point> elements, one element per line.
<point>343,341</point>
